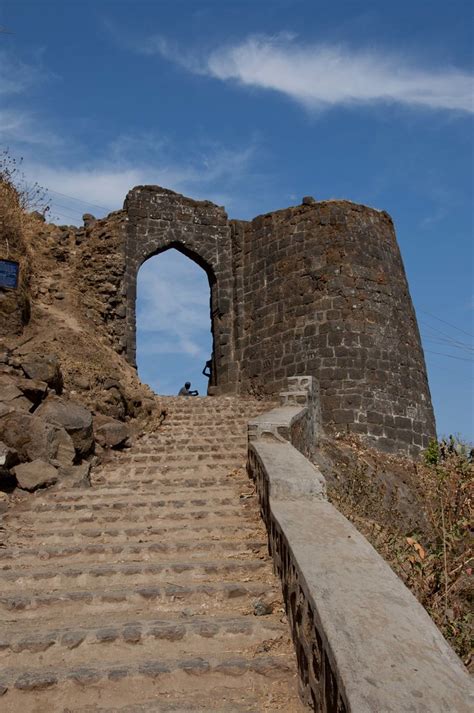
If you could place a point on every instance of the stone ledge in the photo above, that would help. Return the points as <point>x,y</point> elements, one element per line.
<point>364,644</point>
<point>383,649</point>
<point>278,421</point>
<point>291,475</point>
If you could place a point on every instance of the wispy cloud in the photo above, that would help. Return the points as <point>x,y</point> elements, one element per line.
<point>208,171</point>
<point>23,128</point>
<point>324,76</point>
<point>17,76</point>
<point>171,320</point>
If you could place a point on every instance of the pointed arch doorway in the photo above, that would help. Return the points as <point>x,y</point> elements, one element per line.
<point>174,320</point>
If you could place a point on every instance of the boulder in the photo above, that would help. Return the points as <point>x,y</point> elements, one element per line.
<point>8,456</point>
<point>75,476</point>
<point>34,390</point>
<point>74,418</point>
<point>37,474</point>
<point>33,438</point>
<point>11,396</point>
<point>43,368</point>
<point>112,402</point>
<point>14,389</point>
<point>110,433</point>
<point>5,408</point>
<point>4,500</point>
<point>8,390</point>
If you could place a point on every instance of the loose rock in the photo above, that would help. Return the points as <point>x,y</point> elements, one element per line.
<point>75,476</point>
<point>34,438</point>
<point>44,368</point>
<point>109,432</point>
<point>74,418</point>
<point>36,474</point>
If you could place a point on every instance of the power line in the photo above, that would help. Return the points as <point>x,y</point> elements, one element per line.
<point>450,356</point>
<point>445,342</point>
<point>447,337</point>
<point>448,323</point>
<point>79,200</point>
<point>71,209</point>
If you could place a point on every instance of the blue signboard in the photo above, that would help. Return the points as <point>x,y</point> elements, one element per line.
<point>9,270</point>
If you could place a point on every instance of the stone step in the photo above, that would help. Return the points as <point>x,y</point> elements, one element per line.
<point>90,575</point>
<point>221,704</point>
<point>192,531</point>
<point>173,637</point>
<point>151,486</point>
<point>99,503</point>
<point>99,552</point>
<point>235,446</point>
<point>229,596</point>
<point>184,455</point>
<point>159,516</point>
<point>181,470</point>
<point>223,701</point>
<point>122,676</point>
<point>163,519</point>
<point>162,481</point>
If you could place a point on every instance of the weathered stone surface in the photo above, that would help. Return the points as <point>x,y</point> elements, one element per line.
<point>109,432</point>
<point>75,476</point>
<point>74,418</point>
<point>43,368</point>
<point>316,289</point>
<point>11,394</point>
<point>8,456</point>
<point>4,499</point>
<point>36,474</point>
<point>34,438</point>
<point>8,390</point>
<point>33,389</point>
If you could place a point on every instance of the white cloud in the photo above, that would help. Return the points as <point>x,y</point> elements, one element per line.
<point>17,76</point>
<point>23,128</point>
<point>173,308</point>
<point>210,171</point>
<point>322,76</point>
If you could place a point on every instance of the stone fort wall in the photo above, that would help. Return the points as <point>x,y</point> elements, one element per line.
<point>315,289</point>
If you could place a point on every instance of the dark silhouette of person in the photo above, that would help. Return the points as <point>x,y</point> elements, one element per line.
<point>186,390</point>
<point>207,371</point>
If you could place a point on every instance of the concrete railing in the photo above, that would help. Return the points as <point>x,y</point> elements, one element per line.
<point>363,642</point>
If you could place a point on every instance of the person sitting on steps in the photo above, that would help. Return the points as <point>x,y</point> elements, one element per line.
<point>186,391</point>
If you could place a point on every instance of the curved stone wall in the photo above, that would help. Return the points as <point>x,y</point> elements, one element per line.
<point>323,292</point>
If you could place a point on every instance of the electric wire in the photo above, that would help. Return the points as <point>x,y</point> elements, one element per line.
<point>447,323</point>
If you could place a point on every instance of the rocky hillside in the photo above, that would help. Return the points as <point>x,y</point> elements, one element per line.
<point>65,392</point>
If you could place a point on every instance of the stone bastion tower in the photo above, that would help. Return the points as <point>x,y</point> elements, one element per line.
<point>317,289</point>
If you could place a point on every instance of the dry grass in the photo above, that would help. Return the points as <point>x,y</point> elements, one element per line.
<point>418,516</point>
<point>14,305</point>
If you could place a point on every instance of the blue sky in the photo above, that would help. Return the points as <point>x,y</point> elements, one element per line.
<point>254,104</point>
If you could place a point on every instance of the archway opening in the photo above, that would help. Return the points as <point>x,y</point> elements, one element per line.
<point>174,329</point>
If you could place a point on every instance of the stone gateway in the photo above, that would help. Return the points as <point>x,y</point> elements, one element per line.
<point>316,289</point>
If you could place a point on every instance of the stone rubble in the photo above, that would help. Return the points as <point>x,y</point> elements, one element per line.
<point>45,437</point>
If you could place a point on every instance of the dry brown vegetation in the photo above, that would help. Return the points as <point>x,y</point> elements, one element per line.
<point>418,517</point>
<point>47,314</point>
<point>14,306</point>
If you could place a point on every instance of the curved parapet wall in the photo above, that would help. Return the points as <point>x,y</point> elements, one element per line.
<point>324,292</point>
<point>363,642</point>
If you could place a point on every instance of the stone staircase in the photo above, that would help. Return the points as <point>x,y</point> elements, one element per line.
<point>153,590</point>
